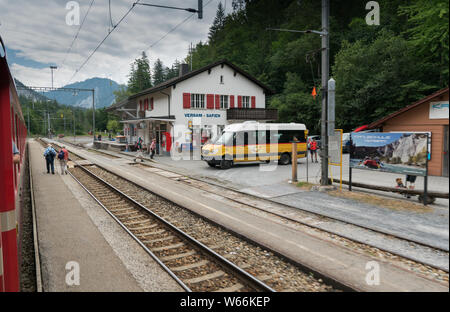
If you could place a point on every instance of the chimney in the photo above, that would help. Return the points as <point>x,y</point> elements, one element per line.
<point>184,69</point>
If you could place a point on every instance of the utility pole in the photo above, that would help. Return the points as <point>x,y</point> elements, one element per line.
<point>93,113</point>
<point>325,74</point>
<point>190,52</point>
<point>52,68</point>
<point>73,124</point>
<point>48,132</point>
<point>324,33</point>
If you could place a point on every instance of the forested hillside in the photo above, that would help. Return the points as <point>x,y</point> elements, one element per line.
<point>378,69</point>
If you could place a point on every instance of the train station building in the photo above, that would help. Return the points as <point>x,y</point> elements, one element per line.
<point>429,114</point>
<point>204,100</point>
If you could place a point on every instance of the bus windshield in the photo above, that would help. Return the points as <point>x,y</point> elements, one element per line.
<point>225,139</point>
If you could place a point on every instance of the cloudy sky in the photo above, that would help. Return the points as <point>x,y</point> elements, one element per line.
<point>36,36</point>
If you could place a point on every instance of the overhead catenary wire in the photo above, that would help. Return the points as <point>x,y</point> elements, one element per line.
<point>166,34</point>
<point>149,47</point>
<point>78,31</point>
<point>104,39</point>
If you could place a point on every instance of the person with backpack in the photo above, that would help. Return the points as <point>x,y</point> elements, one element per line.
<point>49,155</point>
<point>63,157</point>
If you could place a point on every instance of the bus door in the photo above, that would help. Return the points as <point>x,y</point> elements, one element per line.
<point>263,141</point>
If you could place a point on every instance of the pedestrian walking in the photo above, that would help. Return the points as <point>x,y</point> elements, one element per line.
<point>152,148</point>
<point>313,149</point>
<point>63,157</point>
<point>49,155</point>
<point>139,154</point>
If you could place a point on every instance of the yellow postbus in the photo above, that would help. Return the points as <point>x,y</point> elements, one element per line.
<point>253,141</point>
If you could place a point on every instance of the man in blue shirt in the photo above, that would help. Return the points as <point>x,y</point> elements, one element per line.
<point>49,155</point>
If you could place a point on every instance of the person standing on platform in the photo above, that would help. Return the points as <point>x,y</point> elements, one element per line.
<point>49,155</point>
<point>152,148</point>
<point>313,149</point>
<point>63,157</point>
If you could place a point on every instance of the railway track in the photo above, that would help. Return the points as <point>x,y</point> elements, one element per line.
<point>192,264</point>
<point>200,256</point>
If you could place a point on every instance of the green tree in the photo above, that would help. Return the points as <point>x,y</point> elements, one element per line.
<point>113,125</point>
<point>121,94</point>
<point>428,32</point>
<point>158,72</point>
<point>139,77</point>
<point>218,23</point>
<point>373,80</point>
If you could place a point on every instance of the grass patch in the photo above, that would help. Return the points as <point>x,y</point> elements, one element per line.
<point>305,185</point>
<point>395,204</point>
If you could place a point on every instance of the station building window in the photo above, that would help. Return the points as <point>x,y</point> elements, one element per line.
<point>224,101</point>
<point>246,102</point>
<point>197,100</point>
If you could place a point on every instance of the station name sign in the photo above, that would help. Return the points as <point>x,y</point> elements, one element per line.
<point>190,115</point>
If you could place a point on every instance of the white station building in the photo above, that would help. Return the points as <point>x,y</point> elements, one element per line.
<point>204,100</point>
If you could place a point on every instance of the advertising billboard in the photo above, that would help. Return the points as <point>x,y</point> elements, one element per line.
<point>403,152</point>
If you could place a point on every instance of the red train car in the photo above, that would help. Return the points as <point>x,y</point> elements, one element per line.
<point>13,133</point>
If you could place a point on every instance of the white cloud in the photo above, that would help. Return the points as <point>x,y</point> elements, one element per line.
<point>38,30</point>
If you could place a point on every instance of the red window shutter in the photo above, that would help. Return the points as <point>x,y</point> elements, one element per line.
<point>239,101</point>
<point>231,101</point>
<point>151,104</point>
<point>253,101</point>
<point>186,100</point>
<point>210,101</point>
<point>140,105</point>
<point>217,101</point>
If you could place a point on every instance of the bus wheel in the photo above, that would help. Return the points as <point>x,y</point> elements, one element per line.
<point>285,159</point>
<point>226,164</point>
<point>211,164</point>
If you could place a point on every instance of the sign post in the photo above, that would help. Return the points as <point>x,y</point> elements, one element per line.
<point>294,161</point>
<point>335,153</point>
<point>425,184</point>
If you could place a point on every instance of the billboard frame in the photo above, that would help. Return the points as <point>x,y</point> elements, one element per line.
<point>425,191</point>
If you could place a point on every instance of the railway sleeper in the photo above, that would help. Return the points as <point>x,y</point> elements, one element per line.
<point>152,241</point>
<point>189,266</point>
<point>178,256</point>
<point>143,235</point>
<point>206,277</point>
<point>145,227</point>
<point>235,287</point>
<point>129,222</point>
<point>163,248</point>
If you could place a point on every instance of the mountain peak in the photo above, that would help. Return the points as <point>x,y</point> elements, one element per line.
<point>104,93</point>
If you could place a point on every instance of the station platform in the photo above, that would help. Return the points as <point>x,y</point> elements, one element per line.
<point>336,262</point>
<point>67,234</point>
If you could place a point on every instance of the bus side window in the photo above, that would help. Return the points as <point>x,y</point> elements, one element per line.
<point>262,137</point>
<point>285,136</point>
<point>241,138</point>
